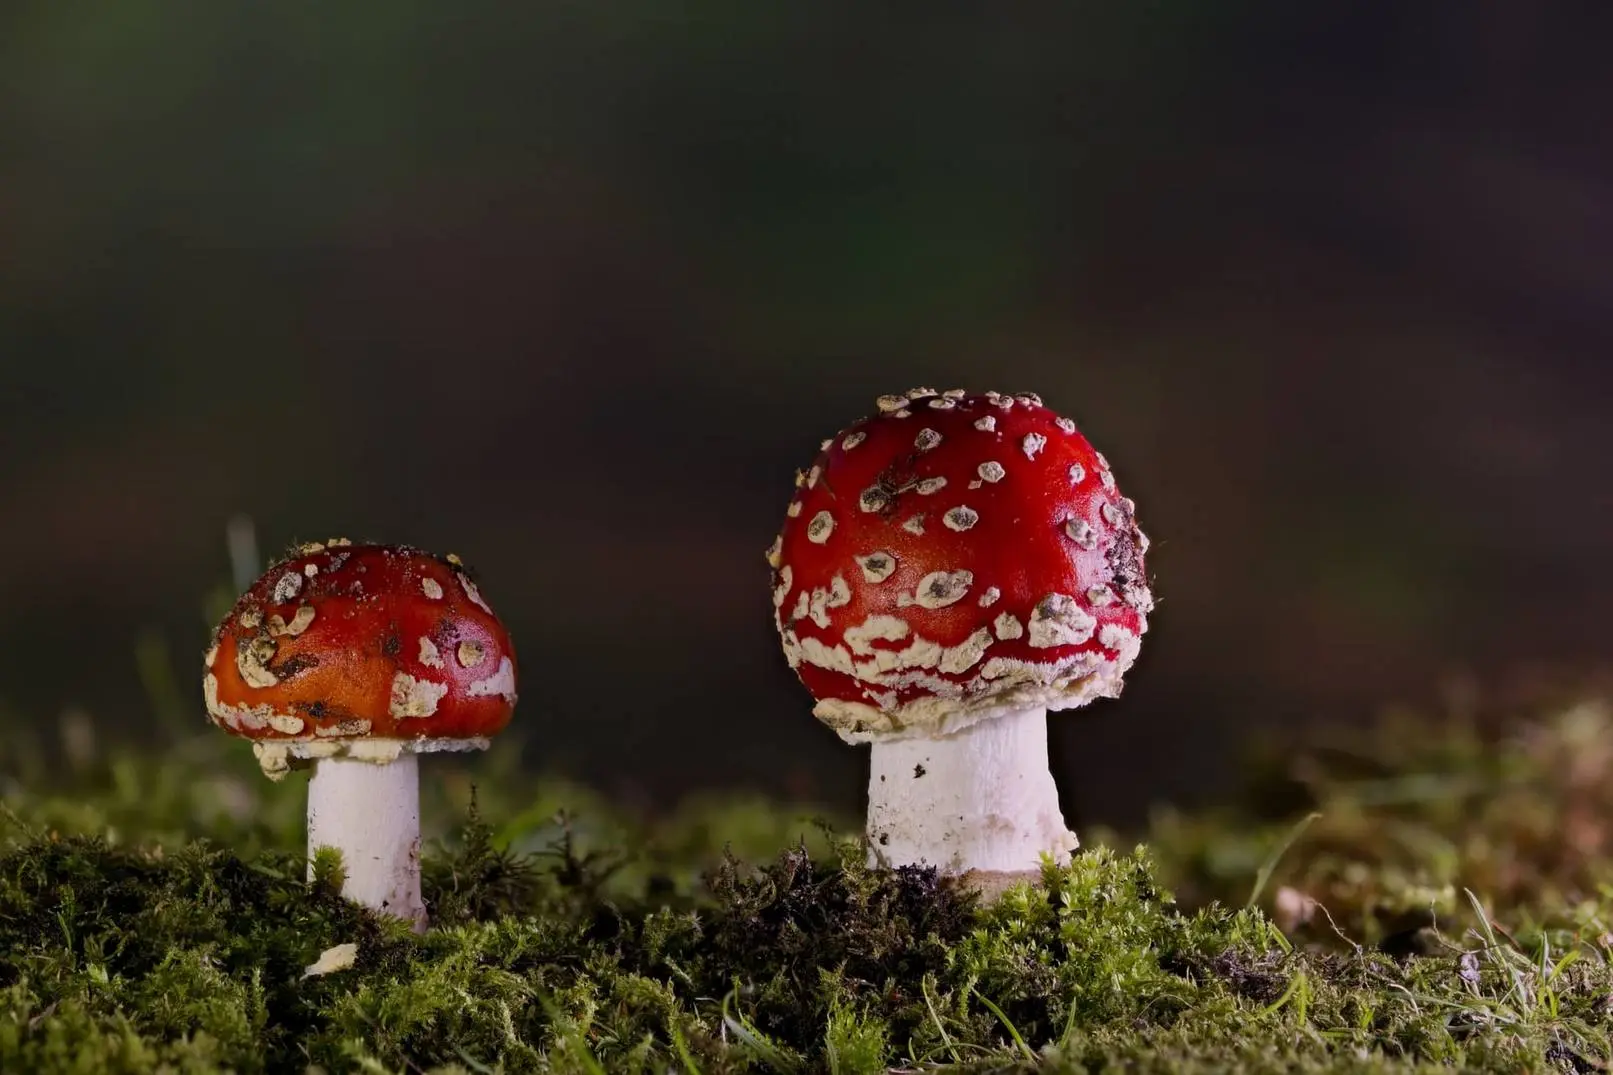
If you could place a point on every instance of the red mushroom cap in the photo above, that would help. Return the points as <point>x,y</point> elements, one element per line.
<point>345,644</point>
<point>955,557</point>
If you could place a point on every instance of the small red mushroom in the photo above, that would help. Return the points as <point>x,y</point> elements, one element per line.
<point>949,570</point>
<point>355,659</point>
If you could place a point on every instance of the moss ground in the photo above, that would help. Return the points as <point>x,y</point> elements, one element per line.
<point>1434,897</point>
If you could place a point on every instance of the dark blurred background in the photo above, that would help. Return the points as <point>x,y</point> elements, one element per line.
<point>572,288</point>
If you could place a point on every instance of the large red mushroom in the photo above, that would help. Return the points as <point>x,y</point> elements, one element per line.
<point>950,569</point>
<point>355,659</point>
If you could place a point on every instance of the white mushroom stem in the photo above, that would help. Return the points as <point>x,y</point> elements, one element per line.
<point>980,799</point>
<point>370,812</point>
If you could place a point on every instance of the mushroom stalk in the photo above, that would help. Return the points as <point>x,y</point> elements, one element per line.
<point>370,812</point>
<point>980,799</point>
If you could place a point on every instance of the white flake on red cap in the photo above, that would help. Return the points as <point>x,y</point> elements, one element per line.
<point>821,526</point>
<point>473,593</point>
<point>414,697</point>
<point>1057,620</point>
<point>1080,531</point>
<point>301,620</point>
<point>877,566</point>
<point>289,586</point>
<point>939,589</point>
<point>874,498</point>
<point>501,683</point>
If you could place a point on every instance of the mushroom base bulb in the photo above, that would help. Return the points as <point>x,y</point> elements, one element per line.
<point>980,799</point>
<point>371,814</point>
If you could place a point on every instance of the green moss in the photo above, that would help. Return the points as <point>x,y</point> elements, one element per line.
<point>173,931</point>
<point>119,959</point>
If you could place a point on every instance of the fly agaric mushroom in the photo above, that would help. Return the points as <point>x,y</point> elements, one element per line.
<point>949,570</point>
<point>356,659</point>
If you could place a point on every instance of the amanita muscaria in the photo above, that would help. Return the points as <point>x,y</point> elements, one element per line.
<point>949,570</point>
<point>355,659</point>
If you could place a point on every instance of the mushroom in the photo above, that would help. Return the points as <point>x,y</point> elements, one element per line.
<point>355,659</point>
<point>961,565</point>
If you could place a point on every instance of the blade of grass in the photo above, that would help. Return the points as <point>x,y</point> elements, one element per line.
<point>1013,1031</point>
<point>572,1037</point>
<point>946,1039</point>
<point>1263,875</point>
<point>681,1046</point>
<point>753,1039</point>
